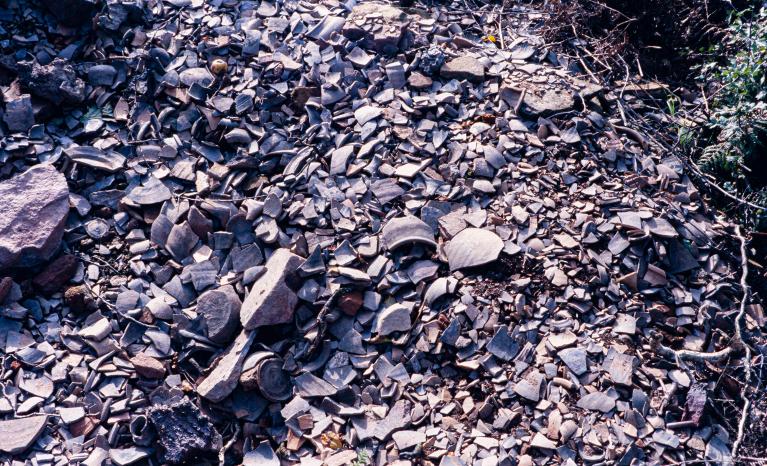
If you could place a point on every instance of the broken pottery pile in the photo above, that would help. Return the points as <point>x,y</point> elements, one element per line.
<point>366,234</point>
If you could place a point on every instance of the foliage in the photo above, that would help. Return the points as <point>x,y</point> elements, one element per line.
<point>735,152</point>
<point>362,458</point>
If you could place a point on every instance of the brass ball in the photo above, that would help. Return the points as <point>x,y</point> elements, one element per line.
<point>218,67</point>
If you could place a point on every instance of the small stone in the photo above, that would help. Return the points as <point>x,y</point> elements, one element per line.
<point>271,301</point>
<point>407,439</point>
<point>102,75</point>
<point>473,247</point>
<point>221,310</point>
<point>71,415</point>
<point>218,67</point>
<point>200,76</point>
<point>419,81</point>
<point>395,318</point>
<point>56,274</point>
<point>541,441</point>
<point>19,115</point>
<point>597,401</point>
<point>79,299</point>
<point>530,386</point>
<point>147,366</point>
<point>350,303</point>
<point>464,67</point>
<point>56,82</point>
<point>126,456</point>
<point>575,359</point>
<point>361,25</point>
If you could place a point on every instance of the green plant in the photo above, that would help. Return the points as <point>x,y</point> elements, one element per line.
<point>734,150</point>
<point>362,458</point>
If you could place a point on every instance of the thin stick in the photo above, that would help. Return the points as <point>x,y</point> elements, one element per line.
<point>739,336</point>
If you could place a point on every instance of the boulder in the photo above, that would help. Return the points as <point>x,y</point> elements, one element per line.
<point>33,210</point>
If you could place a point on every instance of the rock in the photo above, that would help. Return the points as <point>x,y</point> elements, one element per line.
<point>406,439</point>
<point>79,299</point>
<point>147,366</point>
<point>56,274</point>
<point>126,456</point>
<point>350,303</point>
<point>222,380</point>
<point>541,441</point>
<point>364,24</point>
<point>186,435</point>
<point>597,401</point>
<point>102,75</point>
<point>18,434</point>
<point>419,81</point>
<point>19,115</point>
<point>575,359</point>
<point>548,102</point>
<point>221,311</point>
<point>530,386</point>
<point>271,301</point>
<point>473,247</point>
<point>464,67</point>
<point>56,82</point>
<point>72,12</point>
<point>395,318</point>
<point>502,345</point>
<point>620,367</point>
<point>34,210</point>
<point>200,76</point>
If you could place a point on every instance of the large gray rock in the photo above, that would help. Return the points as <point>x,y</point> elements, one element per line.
<point>33,211</point>
<point>271,301</point>
<point>379,27</point>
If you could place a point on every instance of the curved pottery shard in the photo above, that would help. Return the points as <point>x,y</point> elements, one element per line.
<point>407,230</point>
<point>473,247</point>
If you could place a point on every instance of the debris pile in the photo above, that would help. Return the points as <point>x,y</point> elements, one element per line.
<point>250,232</point>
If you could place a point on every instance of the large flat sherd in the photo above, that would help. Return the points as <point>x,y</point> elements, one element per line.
<point>19,434</point>
<point>271,301</point>
<point>223,379</point>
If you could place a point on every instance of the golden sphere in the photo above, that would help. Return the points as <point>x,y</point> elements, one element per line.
<point>218,67</point>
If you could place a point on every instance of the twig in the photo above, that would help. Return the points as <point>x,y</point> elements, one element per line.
<point>739,336</point>
<point>228,445</point>
<point>518,105</point>
<point>696,169</point>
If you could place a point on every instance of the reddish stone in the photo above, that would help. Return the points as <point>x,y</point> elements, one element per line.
<point>350,303</point>
<point>79,299</point>
<point>5,288</point>
<point>56,274</point>
<point>147,366</point>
